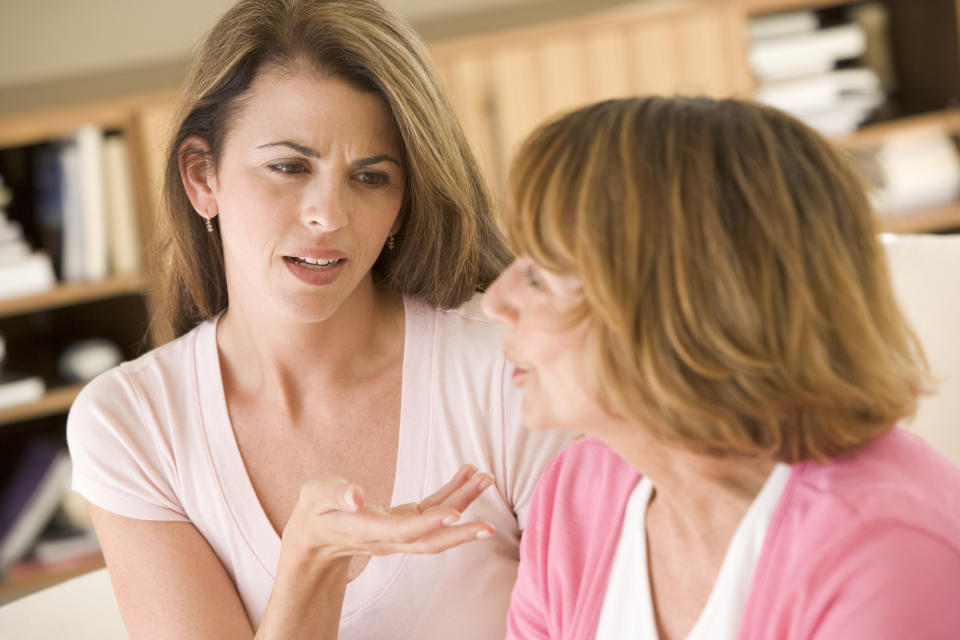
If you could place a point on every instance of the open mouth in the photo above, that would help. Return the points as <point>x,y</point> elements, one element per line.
<point>313,263</point>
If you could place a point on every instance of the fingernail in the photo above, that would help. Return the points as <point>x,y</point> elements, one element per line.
<point>450,519</point>
<point>486,482</point>
<point>350,497</point>
<point>483,533</point>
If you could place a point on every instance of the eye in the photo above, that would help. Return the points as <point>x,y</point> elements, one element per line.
<point>289,168</point>
<point>373,178</point>
<point>531,276</point>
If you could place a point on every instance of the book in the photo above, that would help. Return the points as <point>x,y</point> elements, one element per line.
<point>83,203</point>
<point>49,201</point>
<point>805,53</point>
<point>18,388</point>
<point>818,91</point>
<point>782,24</point>
<point>31,497</point>
<point>71,207</point>
<point>61,544</point>
<point>124,249</point>
<point>843,115</point>
<point>90,157</point>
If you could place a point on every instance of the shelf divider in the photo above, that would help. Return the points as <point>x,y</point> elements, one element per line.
<point>64,295</point>
<point>56,400</point>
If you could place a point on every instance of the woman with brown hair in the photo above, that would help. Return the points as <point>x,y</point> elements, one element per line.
<point>323,220</point>
<point>700,289</point>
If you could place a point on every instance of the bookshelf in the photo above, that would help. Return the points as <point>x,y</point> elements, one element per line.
<point>502,84</point>
<point>38,327</point>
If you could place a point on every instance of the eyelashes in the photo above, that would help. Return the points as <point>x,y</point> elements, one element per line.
<point>531,277</point>
<point>365,177</point>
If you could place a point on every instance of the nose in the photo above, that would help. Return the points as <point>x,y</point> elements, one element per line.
<point>326,205</point>
<point>500,300</point>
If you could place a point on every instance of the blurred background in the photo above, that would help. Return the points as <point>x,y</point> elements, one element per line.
<point>86,90</point>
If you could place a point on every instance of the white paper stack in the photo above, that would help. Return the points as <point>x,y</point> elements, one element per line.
<point>22,271</point>
<point>917,171</point>
<point>795,63</point>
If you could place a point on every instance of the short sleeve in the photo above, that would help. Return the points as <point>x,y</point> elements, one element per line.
<point>893,582</point>
<point>526,452</point>
<point>118,462</point>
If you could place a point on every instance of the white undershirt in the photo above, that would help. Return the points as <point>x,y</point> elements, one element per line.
<point>628,606</point>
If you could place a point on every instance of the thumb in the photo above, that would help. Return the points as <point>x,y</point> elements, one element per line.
<point>325,493</point>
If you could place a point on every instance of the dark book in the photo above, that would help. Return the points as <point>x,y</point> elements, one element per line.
<point>30,498</point>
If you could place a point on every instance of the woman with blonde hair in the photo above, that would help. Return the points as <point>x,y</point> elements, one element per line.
<point>700,289</point>
<point>323,221</point>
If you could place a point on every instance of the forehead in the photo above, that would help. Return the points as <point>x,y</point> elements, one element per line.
<point>305,104</point>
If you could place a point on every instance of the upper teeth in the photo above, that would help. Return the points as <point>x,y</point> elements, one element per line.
<point>319,262</point>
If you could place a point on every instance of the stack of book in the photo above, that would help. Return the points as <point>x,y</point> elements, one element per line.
<point>809,70</point>
<point>22,271</point>
<point>85,205</point>
<point>30,503</point>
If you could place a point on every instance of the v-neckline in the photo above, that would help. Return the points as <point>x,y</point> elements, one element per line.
<point>237,489</point>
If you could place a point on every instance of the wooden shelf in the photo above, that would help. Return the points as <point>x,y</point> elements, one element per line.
<point>922,221</point>
<point>756,7</point>
<point>27,577</point>
<point>38,126</point>
<point>63,295</point>
<point>938,121</point>
<point>54,401</point>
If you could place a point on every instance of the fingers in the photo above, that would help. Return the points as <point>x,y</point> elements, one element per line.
<point>439,540</point>
<point>429,532</point>
<point>332,519</point>
<point>460,492</point>
<point>462,476</point>
<point>325,494</point>
<point>462,495</point>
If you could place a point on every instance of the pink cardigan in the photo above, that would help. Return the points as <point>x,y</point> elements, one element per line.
<point>865,547</point>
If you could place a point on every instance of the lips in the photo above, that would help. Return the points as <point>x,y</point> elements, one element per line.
<point>317,269</point>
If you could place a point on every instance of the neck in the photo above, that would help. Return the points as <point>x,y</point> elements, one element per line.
<point>699,495</point>
<point>261,352</point>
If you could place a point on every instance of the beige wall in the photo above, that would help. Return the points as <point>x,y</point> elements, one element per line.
<point>45,43</point>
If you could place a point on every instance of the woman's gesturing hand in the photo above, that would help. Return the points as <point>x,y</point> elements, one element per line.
<point>332,521</point>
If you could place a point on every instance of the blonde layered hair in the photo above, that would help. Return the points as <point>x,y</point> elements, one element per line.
<point>738,299</point>
<point>448,245</point>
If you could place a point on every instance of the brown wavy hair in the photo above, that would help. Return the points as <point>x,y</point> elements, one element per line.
<point>738,298</point>
<point>448,245</point>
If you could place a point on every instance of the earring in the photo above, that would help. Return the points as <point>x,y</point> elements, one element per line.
<point>208,224</point>
<point>391,242</point>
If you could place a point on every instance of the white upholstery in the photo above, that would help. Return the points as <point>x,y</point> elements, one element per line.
<point>926,274</point>
<point>926,277</point>
<point>82,608</point>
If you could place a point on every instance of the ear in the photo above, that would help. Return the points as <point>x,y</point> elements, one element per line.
<point>199,179</point>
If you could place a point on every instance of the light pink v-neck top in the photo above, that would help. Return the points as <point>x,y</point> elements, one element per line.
<point>151,439</point>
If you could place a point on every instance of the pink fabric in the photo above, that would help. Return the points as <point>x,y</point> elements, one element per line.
<point>865,547</point>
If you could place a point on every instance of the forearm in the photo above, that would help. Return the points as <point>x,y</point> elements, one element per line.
<point>306,600</point>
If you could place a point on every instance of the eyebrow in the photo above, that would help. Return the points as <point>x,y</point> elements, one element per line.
<point>312,153</point>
